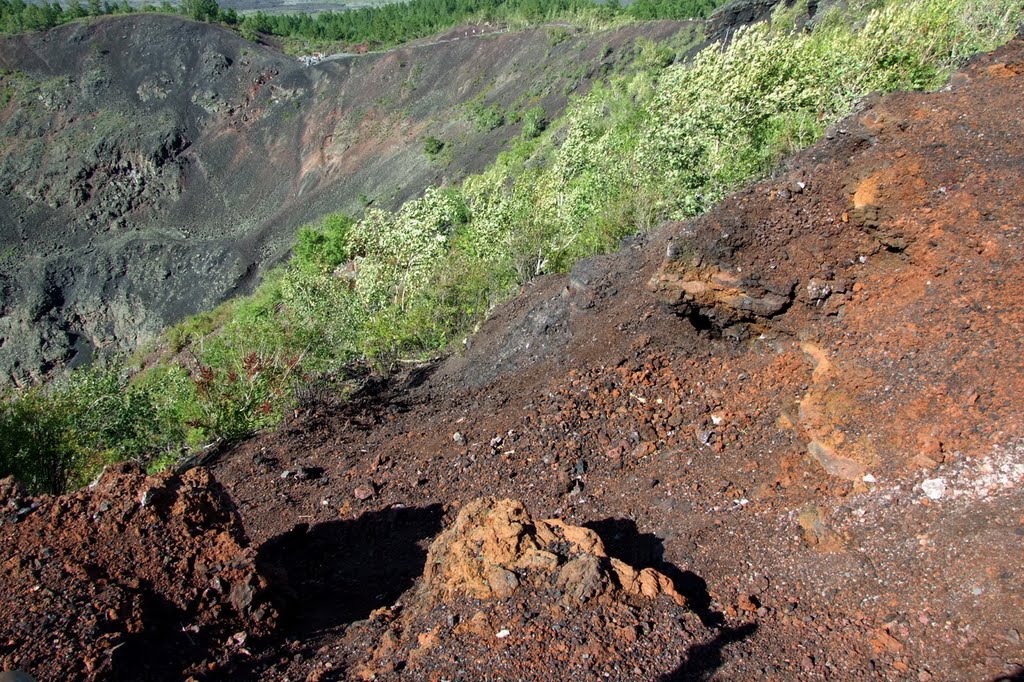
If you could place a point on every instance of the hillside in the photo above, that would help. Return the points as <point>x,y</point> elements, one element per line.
<point>151,167</point>
<point>778,441</point>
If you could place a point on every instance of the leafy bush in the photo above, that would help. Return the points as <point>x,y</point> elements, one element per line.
<point>243,397</point>
<point>432,147</point>
<point>55,439</point>
<point>556,35</point>
<point>326,247</point>
<point>485,118</point>
<point>535,122</point>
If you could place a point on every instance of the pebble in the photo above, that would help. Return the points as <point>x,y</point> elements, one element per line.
<point>503,633</point>
<point>934,488</point>
<point>364,492</point>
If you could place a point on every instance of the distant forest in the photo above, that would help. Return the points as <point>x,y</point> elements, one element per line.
<point>401,22</point>
<point>17,16</point>
<point>382,26</point>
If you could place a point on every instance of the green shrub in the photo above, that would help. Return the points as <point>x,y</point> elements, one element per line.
<point>241,396</point>
<point>324,247</point>
<point>432,147</point>
<point>35,449</point>
<point>485,118</point>
<point>556,35</point>
<point>56,438</point>
<point>535,122</point>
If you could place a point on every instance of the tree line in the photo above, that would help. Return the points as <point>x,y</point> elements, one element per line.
<point>381,26</point>
<point>17,16</point>
<point>392,24</point>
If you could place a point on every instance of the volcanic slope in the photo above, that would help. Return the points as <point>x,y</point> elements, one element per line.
<point>781,441</point>
<point>152,167</point>
<point>803,406</point>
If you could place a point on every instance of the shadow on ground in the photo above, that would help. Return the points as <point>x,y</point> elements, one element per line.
<point>337,572</point>
<point>702,660</point>
<point>1017,676</point>
<point>623,540</point>
<point>326,576</point>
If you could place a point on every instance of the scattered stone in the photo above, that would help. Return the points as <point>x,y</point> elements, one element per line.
<point>308,473</point>
<point>364,492</point>
<point>934,488</point>
<point>834,463</point>
<point>816,533</point>
<point>818,290</point>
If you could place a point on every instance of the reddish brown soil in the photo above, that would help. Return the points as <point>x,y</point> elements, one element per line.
<point>748,404</point>
<point>127,579</point>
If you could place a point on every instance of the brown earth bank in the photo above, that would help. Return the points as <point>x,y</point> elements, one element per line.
<point>782,441</point>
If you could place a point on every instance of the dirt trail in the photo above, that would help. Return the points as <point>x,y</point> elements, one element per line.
<point>800,409</point>
<point>467,34</point>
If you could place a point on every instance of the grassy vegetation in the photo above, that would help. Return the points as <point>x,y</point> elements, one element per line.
<point>668,140</point>
<point>369,27</point>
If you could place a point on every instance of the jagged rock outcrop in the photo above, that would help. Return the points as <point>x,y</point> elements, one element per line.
<point>715,295</point>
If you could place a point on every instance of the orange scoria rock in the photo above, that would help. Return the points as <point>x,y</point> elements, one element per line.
<point>494,546</point>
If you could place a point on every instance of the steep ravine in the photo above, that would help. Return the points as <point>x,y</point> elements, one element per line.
<point>151,167</point>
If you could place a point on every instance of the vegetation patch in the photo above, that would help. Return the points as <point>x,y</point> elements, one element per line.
<point>485,118</point>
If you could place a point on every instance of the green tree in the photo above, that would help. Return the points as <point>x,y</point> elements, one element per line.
<point>75,10</point>
<point>201,10</point>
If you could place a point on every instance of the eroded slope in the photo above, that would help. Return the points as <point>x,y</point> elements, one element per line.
<point>805,403</point>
